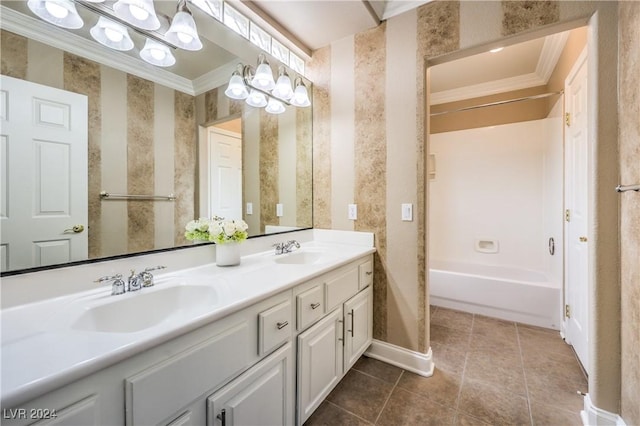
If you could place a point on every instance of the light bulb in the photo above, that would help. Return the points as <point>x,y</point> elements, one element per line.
<point>157,54</point>
<point>56,10</point>
<point>113,35</point>
<point>185,38</point>
<point>138,12</point>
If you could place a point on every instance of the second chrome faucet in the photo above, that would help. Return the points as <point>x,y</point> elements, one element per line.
<point>286,247</point>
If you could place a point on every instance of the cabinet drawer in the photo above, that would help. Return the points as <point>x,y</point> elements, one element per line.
<point>274,327</point>
<point>160,391</point>
<point>340,288</point>
<point>366,274</point>
<point>309,306</point>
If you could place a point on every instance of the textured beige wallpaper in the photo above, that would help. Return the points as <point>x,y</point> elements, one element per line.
<point>629,119</point>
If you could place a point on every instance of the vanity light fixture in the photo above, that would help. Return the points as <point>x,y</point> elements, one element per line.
<point>245,84</point>
<point>183,32</point>
<point>111,34</point>
<point>139,13</point>
<point>263,78</point>
<point>62,13</point>
<point>157,54</point>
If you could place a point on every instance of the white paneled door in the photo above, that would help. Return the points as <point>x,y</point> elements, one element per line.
<point>225,168</point>
<point>576,214</point>
<point>44,175</point>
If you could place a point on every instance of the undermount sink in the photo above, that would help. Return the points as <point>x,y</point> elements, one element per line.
<point>300,258</point>
<point>146,308</point>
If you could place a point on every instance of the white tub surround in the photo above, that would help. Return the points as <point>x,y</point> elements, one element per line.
<point>512,294</point>
<point>49,338</point>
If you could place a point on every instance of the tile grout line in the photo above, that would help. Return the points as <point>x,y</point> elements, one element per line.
<point>388,398</point>
<point>524,375</point>
<point>464,368</point>
<point>347,411</point>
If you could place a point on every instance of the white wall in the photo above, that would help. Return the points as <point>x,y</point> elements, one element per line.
<point>490,184</point>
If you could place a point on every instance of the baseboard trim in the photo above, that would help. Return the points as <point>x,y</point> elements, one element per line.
<point>415,362</point>
<point>592,415</point>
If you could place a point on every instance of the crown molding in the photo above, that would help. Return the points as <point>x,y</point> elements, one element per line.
<point>550,54</point>
<point>77,45</point>
<point>214,78</point>
<point>547,61</point>
<point>485,89</point>
<point>396,7</point>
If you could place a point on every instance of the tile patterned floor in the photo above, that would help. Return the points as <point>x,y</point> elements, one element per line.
<point>488,372</point>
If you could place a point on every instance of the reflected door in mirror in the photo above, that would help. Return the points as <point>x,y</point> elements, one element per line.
<point>225,171</point>
<point>44,175</point>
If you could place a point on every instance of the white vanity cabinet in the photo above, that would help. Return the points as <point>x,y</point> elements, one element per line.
<point>329,348</point>
<point>253,366</point>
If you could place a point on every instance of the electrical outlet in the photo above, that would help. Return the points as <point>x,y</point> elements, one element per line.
<point>407,212</point>
<point>249,208</point>
<point>353,211</point>
<point>279,210</point>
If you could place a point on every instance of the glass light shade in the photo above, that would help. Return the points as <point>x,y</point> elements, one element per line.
<point>236,88</point>
<point>62,13</point>
<point>283,88</point>
<point>300,97</point>
<point>274,106</point>
<point>140,13</point>
<point>111,34</point>
<point>257,99</point>
<point>183,32</point>
<point>157,54</point>
<point>263,78</point>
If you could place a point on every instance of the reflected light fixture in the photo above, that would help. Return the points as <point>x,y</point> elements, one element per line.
<point>111,34</point>
<point>183,32</point>
<point>140,13</point>
<point>300,95</point>
<point>62,13</point>
<point>157,54</point>
<point>263,78</point>
<point>283,88</point>
<point>274,106</point>
<point>245,84</point>
<point>236,88</point>
<point>257,99</point>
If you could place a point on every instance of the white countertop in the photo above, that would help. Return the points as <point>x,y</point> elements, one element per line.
<point>42,351</point>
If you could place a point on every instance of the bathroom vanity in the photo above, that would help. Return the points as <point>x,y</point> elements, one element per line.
<point>262,343</point>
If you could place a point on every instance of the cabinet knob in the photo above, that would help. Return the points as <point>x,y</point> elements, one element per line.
<point>315,305</point>
<point>282,325</point>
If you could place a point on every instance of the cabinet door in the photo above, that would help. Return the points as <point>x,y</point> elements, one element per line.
<point>358,334</point>
<point>319,362</point>
<point>263,395</point>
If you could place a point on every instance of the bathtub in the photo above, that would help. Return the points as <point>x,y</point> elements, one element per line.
<point>512,294</point>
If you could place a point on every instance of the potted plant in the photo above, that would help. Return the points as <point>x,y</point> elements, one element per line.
<point>226,233</point>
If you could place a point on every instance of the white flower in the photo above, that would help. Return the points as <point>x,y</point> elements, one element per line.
<point>241,225</point>
<point>215,228</point>
<point>191,226</point>
<point>229,228</point>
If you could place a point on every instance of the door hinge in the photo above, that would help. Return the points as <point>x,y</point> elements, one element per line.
<point>567,119</point>
<point>567,215</point>
<point>567,311</point>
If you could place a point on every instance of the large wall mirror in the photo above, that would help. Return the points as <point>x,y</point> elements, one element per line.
<point>169,132</point>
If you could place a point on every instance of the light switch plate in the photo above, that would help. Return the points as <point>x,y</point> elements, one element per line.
<point>407,212</point>
<point>279,210</point>
<point>353,211</point>
<point>249,208</point>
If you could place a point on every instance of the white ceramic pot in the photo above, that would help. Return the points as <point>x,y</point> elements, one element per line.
<point>228,254</point>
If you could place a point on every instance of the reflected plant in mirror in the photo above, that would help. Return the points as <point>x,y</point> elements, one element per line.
<point>146,134</point>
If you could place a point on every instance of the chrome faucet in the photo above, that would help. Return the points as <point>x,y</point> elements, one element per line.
<point>134,283</point>
<point>117,287</point>
<point>287,247</point>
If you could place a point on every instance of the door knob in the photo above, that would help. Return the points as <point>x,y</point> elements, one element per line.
<point>76,229</point>
<point>583,239</point>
